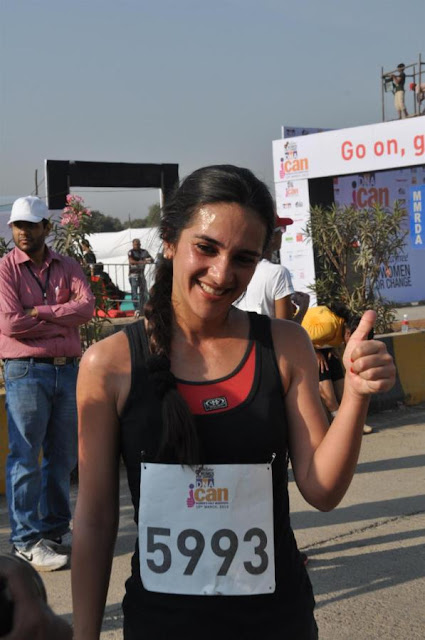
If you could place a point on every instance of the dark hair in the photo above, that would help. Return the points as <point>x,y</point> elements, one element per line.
<point>85,243</point>
<point>353,322</point>
<point>209,185</point>
<point>340,310</point>
<point>96,268</point>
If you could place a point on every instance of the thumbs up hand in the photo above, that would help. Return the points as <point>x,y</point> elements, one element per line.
<point>368,365</point>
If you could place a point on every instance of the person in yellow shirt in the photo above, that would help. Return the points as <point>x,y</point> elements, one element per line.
<point>329,330</point>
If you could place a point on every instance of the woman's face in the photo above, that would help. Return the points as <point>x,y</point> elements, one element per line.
<point>214,259</point>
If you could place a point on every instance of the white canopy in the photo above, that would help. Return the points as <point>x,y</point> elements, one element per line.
<point>112,249</point>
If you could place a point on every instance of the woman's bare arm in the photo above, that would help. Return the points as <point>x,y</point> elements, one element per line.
<point>103,382</point>
<point>324,458</point>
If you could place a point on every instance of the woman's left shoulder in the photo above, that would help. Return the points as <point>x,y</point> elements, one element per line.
<point>292,346</point>
<point>285,332</point>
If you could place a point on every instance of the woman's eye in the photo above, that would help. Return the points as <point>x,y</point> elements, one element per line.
<point>206,248</point>
<point>248,260</point>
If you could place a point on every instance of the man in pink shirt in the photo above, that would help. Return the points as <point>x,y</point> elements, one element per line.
<point>44,297</point>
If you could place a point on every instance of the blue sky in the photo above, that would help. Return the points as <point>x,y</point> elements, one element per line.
<point>186,81</point>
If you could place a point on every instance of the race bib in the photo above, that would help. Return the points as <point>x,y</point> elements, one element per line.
<point>207,530</point>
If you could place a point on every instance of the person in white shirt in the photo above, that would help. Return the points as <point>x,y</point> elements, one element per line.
<point>270,289</point>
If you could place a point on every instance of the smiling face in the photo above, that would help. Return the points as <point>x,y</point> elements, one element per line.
<point>30,237</point>
<point>214,260</point>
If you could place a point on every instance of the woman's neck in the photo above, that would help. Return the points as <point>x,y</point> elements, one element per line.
<point>195,329</point>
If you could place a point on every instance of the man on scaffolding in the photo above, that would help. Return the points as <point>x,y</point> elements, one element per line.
<point>398,84</point>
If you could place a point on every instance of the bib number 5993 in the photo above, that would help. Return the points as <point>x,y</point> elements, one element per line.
<point>191,543</point>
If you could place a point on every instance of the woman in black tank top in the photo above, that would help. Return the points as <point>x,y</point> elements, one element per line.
<point>209,485</point>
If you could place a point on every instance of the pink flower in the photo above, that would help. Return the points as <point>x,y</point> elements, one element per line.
<point>70,219</point>
<point>74,211</point>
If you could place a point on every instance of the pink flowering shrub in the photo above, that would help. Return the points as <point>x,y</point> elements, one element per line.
<point>68,232</point>
<point>72,227</point>
<point>74,212</point>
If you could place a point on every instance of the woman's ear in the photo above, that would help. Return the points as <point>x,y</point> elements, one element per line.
<point>168,251</point>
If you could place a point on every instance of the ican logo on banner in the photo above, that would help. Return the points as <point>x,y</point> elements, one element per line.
<point>417,217</point>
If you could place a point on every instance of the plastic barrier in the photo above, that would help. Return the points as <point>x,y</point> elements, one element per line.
<point>408,351</point>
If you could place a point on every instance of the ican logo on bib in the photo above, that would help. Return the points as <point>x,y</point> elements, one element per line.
<point>204,494</point>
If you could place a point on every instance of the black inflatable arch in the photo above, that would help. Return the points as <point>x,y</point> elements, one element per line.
<point>61,175</point>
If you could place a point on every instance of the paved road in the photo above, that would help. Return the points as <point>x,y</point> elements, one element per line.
<point>414,312</point>
<point>367,558</point>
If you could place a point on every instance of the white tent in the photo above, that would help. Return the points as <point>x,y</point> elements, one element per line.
<point>112,249</point>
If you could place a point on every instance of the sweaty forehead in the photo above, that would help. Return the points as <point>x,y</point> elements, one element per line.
<point>228,224</point>
<point>218,213</point>
<point>205,217</point>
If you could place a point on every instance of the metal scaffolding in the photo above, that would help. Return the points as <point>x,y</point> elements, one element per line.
<point>416,75</point>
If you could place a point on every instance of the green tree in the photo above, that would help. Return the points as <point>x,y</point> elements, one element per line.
<point>136,223</point>
<point>100,223</point>
<point>152,219</point>
<point>351,246</point>
<point>154,216</point>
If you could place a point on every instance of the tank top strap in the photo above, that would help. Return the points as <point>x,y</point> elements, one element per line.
<point>261,333</point>
<point>260,329</point>
<point>139,349</point>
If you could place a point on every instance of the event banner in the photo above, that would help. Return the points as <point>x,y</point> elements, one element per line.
<point>402,280</point>
<point>296,254</point>
<point>416,214</point>
<point>344,151</point>
<point>374,164</point>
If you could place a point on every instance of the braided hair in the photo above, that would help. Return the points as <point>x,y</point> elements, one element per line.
<point>209,185</point>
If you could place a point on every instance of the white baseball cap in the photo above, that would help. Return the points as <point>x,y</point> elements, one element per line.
<point>28,209</point>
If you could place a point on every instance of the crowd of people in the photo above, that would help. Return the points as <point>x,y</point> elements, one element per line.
<point>206,398</point>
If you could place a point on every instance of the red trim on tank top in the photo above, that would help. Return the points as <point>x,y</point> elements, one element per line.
<point>223,394</point>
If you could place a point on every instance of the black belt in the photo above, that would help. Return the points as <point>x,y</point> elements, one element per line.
<point>58,361</point>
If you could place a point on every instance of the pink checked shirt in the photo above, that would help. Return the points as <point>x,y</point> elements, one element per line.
<point>68,303</point>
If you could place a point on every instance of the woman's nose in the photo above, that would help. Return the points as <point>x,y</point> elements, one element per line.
<point>221,271</point>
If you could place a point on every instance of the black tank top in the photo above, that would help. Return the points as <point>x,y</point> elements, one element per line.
<point>248,433</point>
